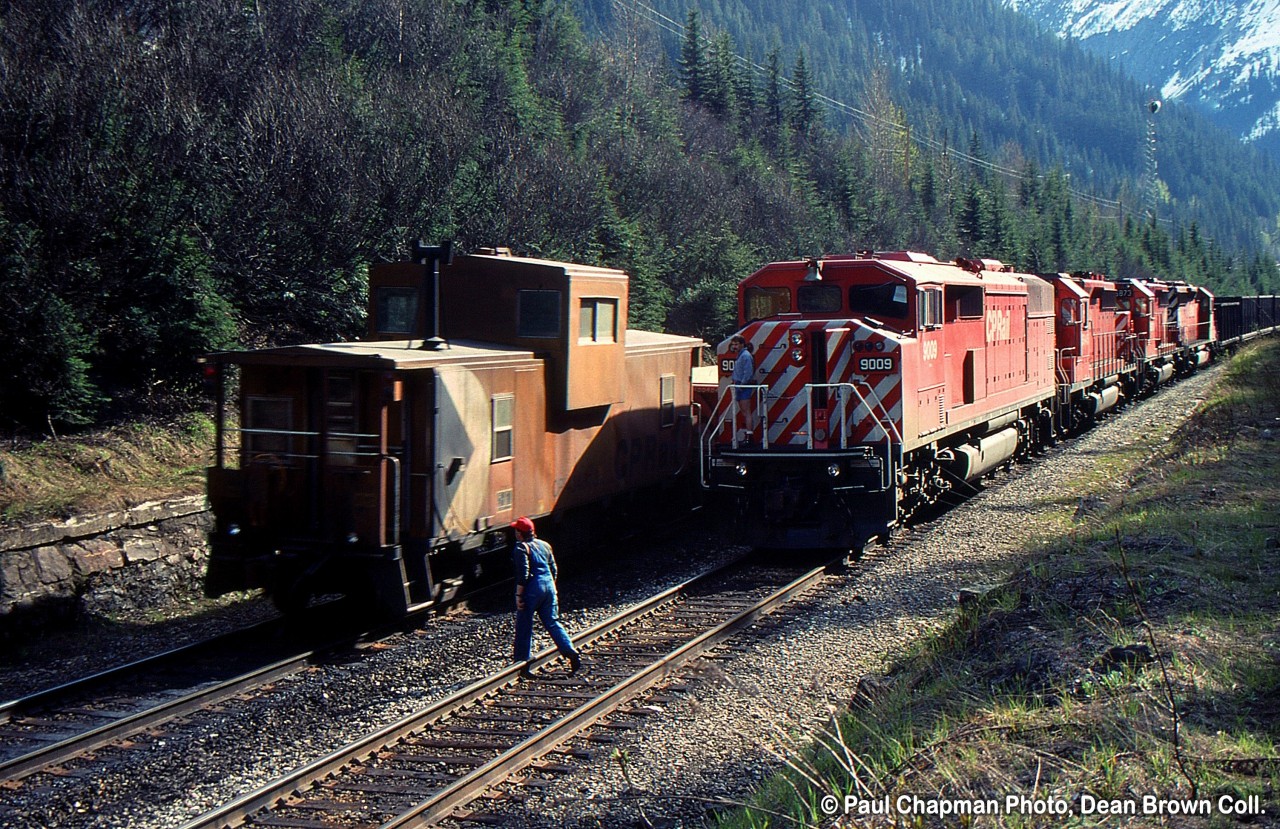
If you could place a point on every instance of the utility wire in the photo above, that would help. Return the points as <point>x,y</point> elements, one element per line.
<point>675,27</point>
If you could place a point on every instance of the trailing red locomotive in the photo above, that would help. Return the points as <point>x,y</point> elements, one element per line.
<point>885,380</point>
<point>489,386</point>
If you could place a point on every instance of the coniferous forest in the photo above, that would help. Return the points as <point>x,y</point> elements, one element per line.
<point>182,176</point>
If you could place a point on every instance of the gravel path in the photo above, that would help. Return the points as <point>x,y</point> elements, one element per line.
<point>706,742</point>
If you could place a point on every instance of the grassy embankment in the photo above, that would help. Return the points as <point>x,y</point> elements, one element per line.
<point>1137,656</point>
<point>108,469</point>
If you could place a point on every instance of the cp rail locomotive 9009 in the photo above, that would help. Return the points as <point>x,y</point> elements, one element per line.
<point>488,387</point>
<point>881,381</point>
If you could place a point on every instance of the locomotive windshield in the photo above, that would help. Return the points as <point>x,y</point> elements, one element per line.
<point>818,299</point>
<point>766,302</point>
<point>887,300</point>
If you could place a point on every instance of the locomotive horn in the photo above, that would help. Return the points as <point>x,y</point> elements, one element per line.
<point>432,255</point>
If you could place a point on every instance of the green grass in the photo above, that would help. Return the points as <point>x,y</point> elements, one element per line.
<point>109,469</point>
<point>1182,562</point>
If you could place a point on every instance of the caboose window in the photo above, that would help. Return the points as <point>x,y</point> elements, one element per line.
<point>887,300</point>
<point>397,310</point>
<point>269,421</point>
<point>667,400</point>
<point>538,314</point>
<point>818,299</point>
<point>340,417</point>
<point>767,302</point>
<point>597,321</point>
<point>504,406</point>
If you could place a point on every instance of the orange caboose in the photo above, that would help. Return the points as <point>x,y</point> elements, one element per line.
<point>391,467</point>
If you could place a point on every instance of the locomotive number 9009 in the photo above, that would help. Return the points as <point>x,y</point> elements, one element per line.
<point>875,364</point>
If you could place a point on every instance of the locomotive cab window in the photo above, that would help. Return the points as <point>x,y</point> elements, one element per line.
<point>538,314</point>
<point>929,308</point>
<point>597,321</point>
<point>964,302</point>
<point>504,406</point>
<point>397,310</point>
<point>766,302</point>
<point>879,301</point>
<point>818,299</point>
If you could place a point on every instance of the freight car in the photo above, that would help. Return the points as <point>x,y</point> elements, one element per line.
<point>885,380</point>
<point>489,386</point>
<point>1239,319</point>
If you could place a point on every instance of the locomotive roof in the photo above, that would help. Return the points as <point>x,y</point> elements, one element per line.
<point>916,267</point>
<point>409,354</point>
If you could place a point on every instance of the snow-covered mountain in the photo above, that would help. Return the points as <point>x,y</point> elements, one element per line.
<point>1221,55</point>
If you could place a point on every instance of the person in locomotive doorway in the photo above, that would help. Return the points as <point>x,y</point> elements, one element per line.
<point>535,572</point>
<point>744,372</point>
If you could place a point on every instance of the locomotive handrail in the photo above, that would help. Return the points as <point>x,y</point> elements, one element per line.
<point>883,420</point>
<point>709,433</point>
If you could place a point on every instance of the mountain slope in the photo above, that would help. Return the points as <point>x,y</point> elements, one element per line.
<point>975,70</point>
<point>1221,56</point>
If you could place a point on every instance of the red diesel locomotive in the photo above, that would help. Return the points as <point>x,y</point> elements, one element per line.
<point>882,381</point>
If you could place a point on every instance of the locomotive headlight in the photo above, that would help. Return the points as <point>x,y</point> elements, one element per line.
<point>834,470</point>
<point>741,469</point>
<point>352,538</point>
<point>796,338</point>
<point>797,355</point>
<point>233,529</point>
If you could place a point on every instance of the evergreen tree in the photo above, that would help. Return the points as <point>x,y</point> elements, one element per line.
<point>721,91</point>
<point>693,59</point>
<point>804,106</point>
<point>775,102</point>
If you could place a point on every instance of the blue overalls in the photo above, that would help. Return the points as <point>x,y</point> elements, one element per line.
<point>535,568</point>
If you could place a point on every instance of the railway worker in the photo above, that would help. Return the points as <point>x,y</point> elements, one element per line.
<point>744,371</point>
<point>535,572</point>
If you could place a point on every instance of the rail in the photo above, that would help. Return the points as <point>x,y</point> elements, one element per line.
<point>563,707</point>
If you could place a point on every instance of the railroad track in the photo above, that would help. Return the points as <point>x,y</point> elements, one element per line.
<point>434,763</point>
<point>55,728</point>
<point>57,725</point>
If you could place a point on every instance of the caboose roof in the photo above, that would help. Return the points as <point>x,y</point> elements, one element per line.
<point>567,268</point>
<point>383,354</point>
<point>408,354</point>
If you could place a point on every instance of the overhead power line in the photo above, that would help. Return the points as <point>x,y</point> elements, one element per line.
<point>861,116</point>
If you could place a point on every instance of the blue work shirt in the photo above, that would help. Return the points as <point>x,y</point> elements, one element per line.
<point>533,560</point>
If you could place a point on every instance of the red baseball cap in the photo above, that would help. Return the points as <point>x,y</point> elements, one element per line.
<point>522,525</point>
